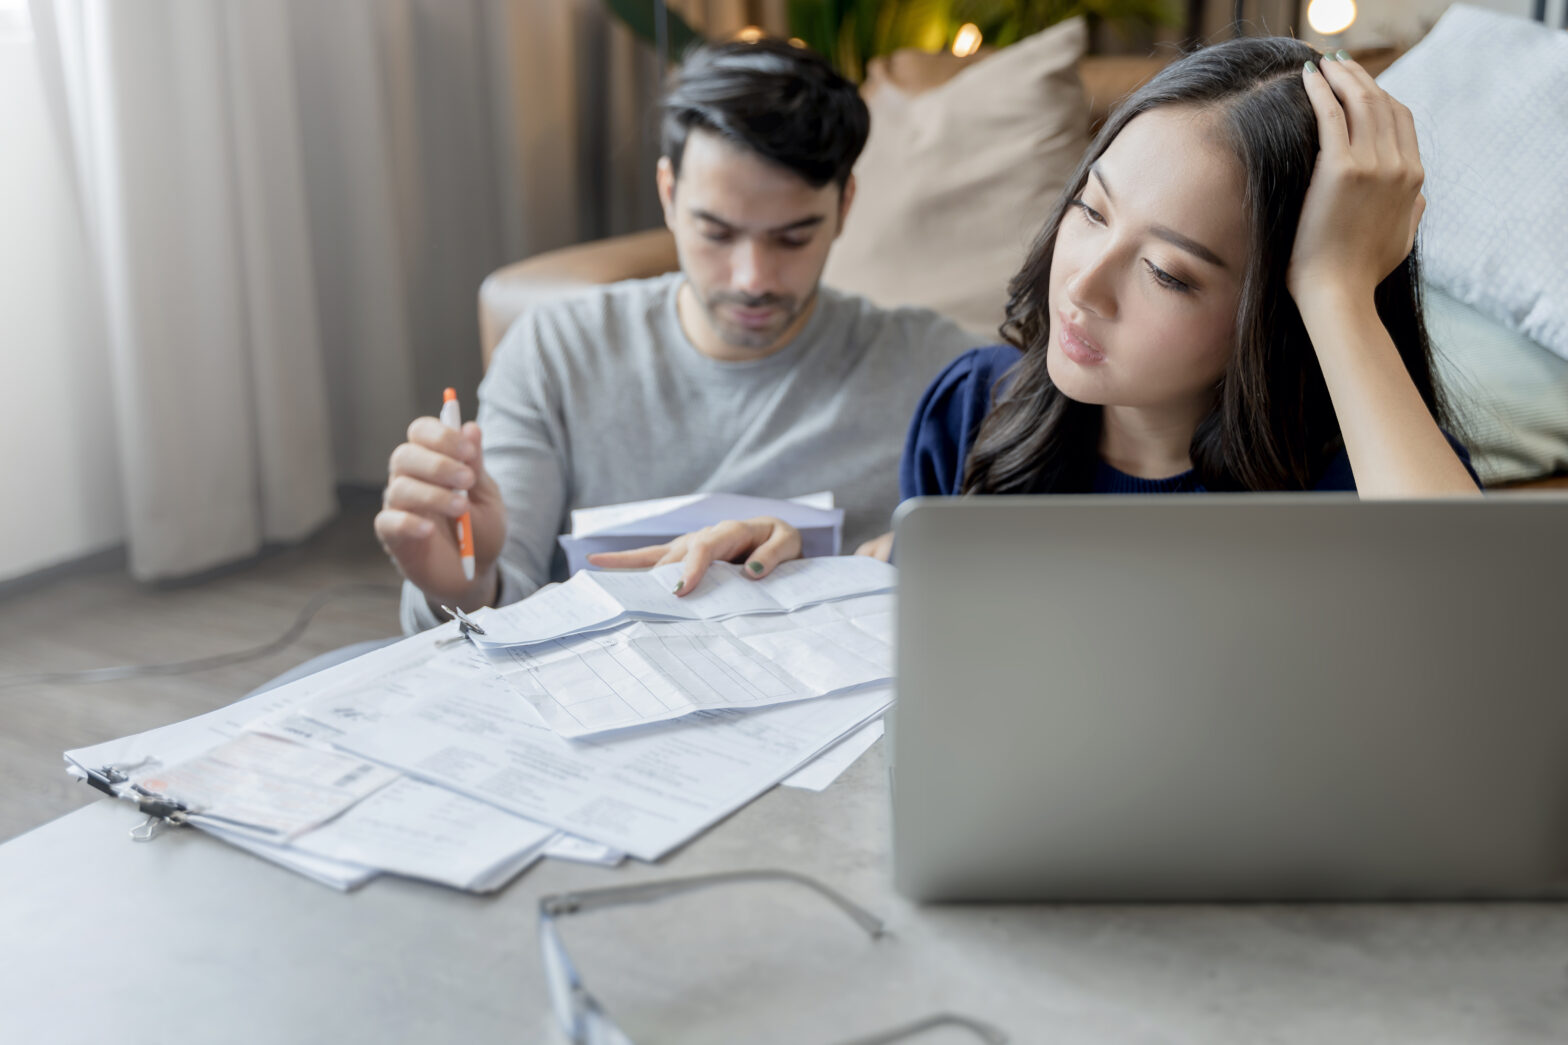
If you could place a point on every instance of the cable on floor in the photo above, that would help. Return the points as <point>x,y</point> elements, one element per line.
<point>220,660</point>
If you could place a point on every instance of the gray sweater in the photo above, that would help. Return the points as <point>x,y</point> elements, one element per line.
<point>599,398</point>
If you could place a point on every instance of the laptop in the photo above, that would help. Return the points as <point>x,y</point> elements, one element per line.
<point>1231,697</point>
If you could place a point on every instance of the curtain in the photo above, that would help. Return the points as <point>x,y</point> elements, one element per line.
<point>290,205</point>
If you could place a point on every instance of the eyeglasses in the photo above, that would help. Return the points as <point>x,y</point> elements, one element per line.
<point>584,1020</point>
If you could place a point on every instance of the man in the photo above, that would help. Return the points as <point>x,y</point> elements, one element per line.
<point>739,373</point>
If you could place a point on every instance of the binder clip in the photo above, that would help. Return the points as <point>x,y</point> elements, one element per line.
<point>107,778</point>
<point>466,626</point>
<point>160,812</point>
<point>158,809</point>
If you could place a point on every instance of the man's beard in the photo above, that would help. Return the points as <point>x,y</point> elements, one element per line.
<point>787,310</point>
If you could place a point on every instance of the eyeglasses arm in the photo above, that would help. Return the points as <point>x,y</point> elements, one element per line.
<point>647,892</point>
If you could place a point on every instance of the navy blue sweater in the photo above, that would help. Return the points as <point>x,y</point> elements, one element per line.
<point>949,416</point>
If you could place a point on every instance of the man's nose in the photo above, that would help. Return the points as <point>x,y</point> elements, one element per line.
<point>750,269</point>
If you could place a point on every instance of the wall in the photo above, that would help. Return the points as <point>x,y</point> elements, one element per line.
<point>59,475</point>
<point>1378,22</point>
<point>1402,22</point>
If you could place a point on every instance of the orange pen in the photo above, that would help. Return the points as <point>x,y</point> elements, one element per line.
<point>452,417</point>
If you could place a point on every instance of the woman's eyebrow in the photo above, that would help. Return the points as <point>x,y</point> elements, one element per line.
<point>1165,232</point>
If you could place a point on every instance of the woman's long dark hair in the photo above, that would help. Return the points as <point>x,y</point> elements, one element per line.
<point>1273,425</point>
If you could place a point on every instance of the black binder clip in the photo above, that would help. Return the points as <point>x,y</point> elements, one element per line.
<point>105,779</point>
<point>108,778</point>
<point>159,810</point>
<point>466,626</point>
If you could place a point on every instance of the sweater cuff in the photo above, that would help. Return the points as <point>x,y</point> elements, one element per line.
<point>416,614</point>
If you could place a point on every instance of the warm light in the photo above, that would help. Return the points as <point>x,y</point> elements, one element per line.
<point>796,41</point>
<point>1328,17</point>
<point>967,41</point>
<point>750,35</point>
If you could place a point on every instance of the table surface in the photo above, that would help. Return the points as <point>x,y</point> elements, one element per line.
<point>185,939</point>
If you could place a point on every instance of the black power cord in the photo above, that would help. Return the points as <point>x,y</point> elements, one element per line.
<point>220,660</point>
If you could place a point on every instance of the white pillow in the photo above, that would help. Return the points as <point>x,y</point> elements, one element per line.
<point>1509,395</point>
<point>1490,96</point>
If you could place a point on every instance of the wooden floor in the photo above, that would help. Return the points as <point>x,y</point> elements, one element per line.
<point>104,619</point>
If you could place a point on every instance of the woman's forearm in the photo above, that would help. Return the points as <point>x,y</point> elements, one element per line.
<point>1395,446</point>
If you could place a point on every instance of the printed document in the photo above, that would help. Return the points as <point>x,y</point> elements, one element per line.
<point>644,792</point>
<point>339,875</point>
<point>419,830</point>
<point>598,600</point>
<point>367,697</point>
<point>267,787</point>
<point>582,851</point>
<point>180,741</point>
<point>385,830</point>
<point>619,527</point>
<point>687,512</point>
<point>830,765</point>
<point>644,672</point>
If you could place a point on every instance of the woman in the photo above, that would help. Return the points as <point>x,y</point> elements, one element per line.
<point>1227,298</point>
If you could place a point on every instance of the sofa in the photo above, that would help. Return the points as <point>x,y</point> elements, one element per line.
<point>913,120</point>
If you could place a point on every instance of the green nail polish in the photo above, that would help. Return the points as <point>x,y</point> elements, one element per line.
<point>754,566</point>
<point>678,586</point>
<point>1309,67</point>
<point>1342,55</point>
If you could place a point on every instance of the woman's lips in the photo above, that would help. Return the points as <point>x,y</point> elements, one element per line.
<point>1075,344</point>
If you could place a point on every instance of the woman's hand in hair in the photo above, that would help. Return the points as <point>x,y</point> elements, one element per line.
<point>1358,223</point>
<point>1363,204</point>
<point>761,543</point>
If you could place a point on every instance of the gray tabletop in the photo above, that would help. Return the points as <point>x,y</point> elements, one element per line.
<point>187,940</point>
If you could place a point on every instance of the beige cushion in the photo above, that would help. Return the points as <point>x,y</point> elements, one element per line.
<point>956,180</point>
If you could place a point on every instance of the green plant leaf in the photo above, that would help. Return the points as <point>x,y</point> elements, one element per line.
<point>815,22</point>
<point>639,18</point>
<point>850,32</point>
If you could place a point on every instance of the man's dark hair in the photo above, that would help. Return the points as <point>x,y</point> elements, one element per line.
<point>783,102</point>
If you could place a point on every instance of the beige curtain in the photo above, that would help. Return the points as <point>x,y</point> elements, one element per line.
<point>180,124</point>
<point>290,205</point>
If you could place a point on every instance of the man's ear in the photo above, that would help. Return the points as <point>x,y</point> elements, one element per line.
<point>845,198</point>
<point>665,177</point>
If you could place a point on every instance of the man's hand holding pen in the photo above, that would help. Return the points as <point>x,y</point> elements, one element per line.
<point>432,479</point>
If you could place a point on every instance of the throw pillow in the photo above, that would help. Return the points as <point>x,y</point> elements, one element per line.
<point>1509,395</point>
<point>956,180</point>
<point>1490,96</point>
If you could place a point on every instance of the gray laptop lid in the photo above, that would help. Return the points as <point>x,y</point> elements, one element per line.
<point>1231,697</point>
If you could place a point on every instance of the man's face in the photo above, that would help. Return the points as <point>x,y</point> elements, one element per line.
<point>753,238</point>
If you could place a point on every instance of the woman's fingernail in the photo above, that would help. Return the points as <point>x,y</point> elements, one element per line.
<point>678,586</point>
<point>754,566</point>
<point>459,502</point>
<point>1310,67</point>
<point>1342,55</point>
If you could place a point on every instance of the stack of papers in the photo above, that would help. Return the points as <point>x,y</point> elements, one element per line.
<point>620,527</point>
<point>594,601</point>
<point>636,654</point>
<point>641,724</point>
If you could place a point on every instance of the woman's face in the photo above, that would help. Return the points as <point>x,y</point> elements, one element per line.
<point>1147,271</point>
